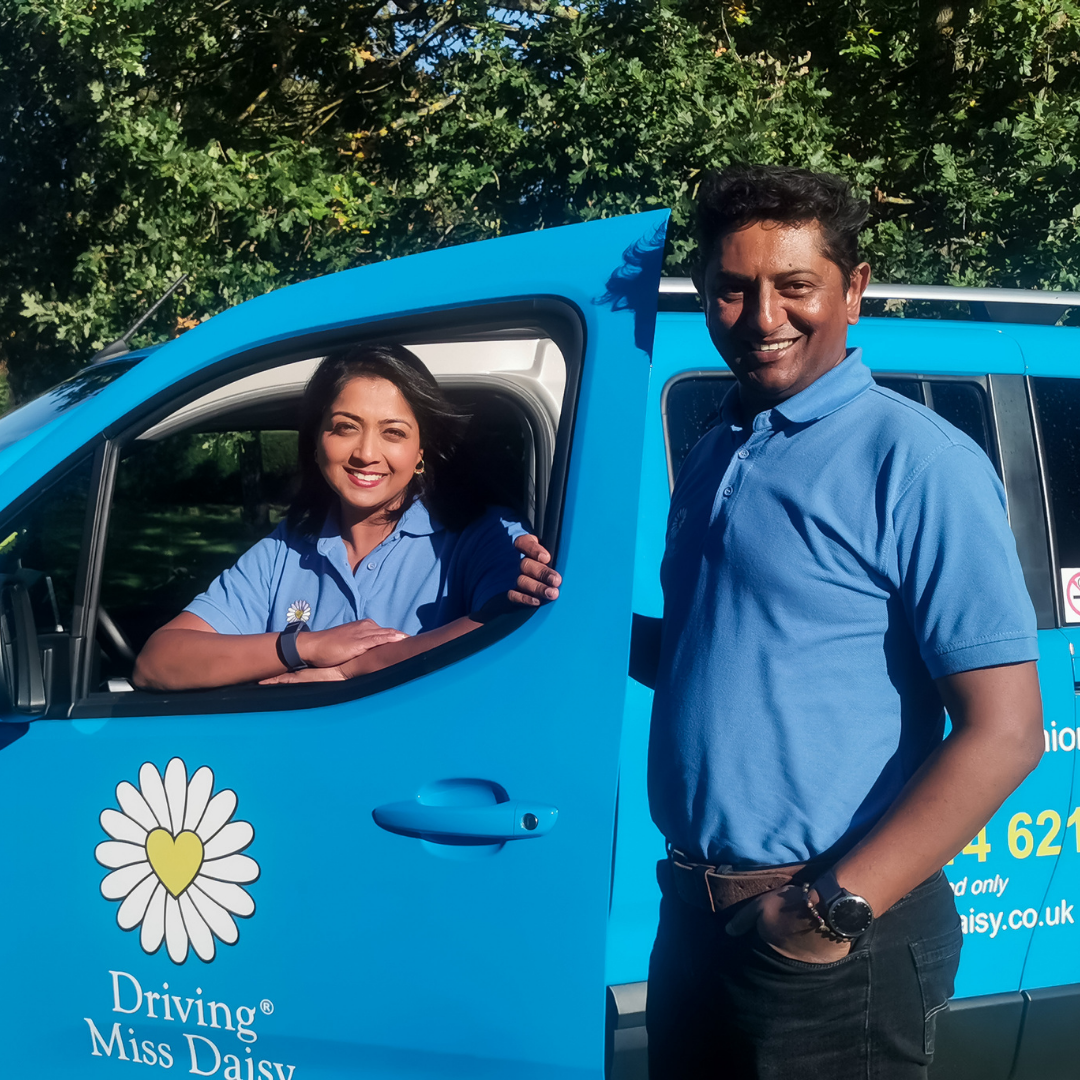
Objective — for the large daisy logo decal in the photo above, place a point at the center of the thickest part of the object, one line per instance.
(175, 861)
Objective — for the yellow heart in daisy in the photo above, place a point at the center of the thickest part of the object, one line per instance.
(175, 861)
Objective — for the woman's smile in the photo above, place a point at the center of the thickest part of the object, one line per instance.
(365, 479)
(369, 447)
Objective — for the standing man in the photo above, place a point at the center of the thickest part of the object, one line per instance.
(839, 567)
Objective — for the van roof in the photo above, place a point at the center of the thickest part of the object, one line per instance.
(984, 305)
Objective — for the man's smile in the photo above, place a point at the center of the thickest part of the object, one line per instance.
(772, 346)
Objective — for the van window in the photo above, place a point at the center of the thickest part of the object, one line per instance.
(691, 405)
(45, 408)
(1057, 407)
(961, 402)
(39, 563)
(39, 547)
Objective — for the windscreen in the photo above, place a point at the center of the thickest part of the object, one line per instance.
(35, 414)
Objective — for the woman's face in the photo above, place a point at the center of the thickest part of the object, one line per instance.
(369, 446)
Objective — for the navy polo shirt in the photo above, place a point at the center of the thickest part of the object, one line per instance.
(420, 577)
(824, 565)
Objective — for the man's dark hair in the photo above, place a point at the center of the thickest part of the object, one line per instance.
(441, 424)
(740, 194)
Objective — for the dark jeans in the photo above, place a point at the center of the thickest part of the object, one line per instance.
(730, 1008)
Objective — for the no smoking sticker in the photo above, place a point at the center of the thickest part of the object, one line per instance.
(1070, 583)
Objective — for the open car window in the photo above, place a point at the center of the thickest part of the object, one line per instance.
(200, 485)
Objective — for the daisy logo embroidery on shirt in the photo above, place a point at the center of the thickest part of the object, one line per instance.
(299, 611)
(175, 861)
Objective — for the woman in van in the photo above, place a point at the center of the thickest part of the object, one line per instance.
(364, 571)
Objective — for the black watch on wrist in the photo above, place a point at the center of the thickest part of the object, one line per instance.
(287, 652)
(845, 914)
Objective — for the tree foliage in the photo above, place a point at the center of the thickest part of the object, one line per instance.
(256, 144)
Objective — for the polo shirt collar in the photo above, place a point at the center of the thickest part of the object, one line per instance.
(832, 391)
(416, 521)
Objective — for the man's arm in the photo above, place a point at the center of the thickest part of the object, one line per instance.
(996, 740)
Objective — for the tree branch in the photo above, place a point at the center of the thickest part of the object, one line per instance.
(538, 7)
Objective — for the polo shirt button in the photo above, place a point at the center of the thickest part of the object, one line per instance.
(371, 566)
(744, 453)
(728, 491)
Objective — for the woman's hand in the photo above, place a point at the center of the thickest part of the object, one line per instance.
(783, 922)
(537, 581)
(331, 648)
(350, 641)
(308, 674)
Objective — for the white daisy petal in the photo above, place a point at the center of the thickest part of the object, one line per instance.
(134, 907)
(217, 918)
(176, 792)
(231, 897)
(202, 940)
(218, 811)
(153, 791)
(121, 827)
(232, 838)
(153, 925)
(231, 868)
(134, 805)
(175, 935)
(119, 883)
(198, 795)
(114, 853)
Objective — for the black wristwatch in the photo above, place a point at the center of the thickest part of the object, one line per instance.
(845, 914)
(286, 646)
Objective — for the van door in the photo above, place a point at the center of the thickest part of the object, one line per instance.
(409, 876)
(1055, 952)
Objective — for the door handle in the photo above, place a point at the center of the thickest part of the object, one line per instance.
(495, 822)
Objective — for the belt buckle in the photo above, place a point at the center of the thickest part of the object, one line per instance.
(699, 871)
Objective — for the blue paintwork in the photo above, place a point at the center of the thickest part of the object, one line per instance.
(396, 930)
(381, 956)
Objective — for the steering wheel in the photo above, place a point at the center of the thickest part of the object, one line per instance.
(113, 639)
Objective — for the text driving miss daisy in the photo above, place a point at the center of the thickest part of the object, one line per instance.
(130, 998)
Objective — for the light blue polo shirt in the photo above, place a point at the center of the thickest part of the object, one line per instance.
(420, 577)
(823, 566)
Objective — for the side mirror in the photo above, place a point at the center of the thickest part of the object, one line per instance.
(20, 658)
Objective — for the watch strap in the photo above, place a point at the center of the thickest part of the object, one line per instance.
(827, 887)
(287, 651)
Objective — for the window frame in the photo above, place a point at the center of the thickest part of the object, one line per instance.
(1047, 507)
(982, 381)
(548, 316)
(1017, 453)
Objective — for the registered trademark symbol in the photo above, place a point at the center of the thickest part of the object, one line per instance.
(267, 1006)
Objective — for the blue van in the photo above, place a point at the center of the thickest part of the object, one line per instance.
(445, 868)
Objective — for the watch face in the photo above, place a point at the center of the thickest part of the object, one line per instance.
(850, 916)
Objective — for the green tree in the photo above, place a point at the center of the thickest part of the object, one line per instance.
(254, 145)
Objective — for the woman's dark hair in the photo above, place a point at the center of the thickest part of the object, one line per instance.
(441, 424)
(740, 194)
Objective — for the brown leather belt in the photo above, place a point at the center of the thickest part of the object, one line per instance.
(716, 888)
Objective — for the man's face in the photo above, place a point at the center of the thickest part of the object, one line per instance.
(778, 308)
